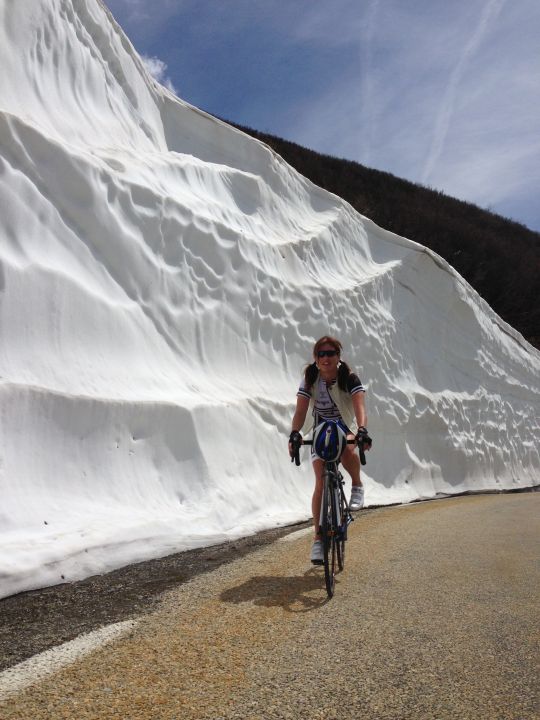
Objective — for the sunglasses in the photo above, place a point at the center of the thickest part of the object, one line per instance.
(327, 353)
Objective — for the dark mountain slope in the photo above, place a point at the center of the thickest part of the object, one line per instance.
(498, 257)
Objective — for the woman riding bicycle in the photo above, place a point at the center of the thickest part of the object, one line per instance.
(332, 392)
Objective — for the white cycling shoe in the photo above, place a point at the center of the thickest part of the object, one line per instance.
(317, 553)
(357, 497)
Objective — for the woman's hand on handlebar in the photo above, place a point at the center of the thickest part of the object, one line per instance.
(295, 441)
(363, 439)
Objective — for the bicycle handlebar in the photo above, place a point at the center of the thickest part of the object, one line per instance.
(361, 452)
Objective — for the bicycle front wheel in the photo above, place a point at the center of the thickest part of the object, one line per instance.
(342, 531)
(329, 530)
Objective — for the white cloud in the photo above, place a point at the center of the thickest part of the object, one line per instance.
(158, 69)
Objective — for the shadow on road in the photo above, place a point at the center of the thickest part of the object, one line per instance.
(297, 593)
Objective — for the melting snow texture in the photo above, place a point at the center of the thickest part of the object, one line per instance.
(162, 280)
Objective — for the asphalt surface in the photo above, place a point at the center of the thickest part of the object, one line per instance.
(435, 616)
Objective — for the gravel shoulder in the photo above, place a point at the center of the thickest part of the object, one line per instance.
(34, 621)
(435, 616)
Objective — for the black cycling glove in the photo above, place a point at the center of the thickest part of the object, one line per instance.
(295, 438)
(363, 439)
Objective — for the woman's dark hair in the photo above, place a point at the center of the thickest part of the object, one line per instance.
(311, 372)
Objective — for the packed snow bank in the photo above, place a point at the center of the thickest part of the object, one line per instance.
(162, 280)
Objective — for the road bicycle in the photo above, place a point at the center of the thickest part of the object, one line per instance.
(335, 518)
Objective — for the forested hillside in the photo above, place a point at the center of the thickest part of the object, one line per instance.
(498, 257)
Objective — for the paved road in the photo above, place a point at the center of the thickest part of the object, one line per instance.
(435, 616)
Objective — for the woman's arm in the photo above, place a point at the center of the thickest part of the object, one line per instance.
(302, 406)
(359, 407)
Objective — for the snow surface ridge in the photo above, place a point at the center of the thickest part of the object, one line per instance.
(162, 279)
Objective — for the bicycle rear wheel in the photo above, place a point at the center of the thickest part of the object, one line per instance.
(329, 533)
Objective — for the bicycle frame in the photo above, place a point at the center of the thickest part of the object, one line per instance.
(332, 468)
(333, 476)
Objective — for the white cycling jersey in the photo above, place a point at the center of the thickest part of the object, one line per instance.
(324, 407)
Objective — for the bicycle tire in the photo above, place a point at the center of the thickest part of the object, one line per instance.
(328, 533)
(342, 531)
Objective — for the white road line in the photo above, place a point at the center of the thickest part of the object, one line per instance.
(31, 671)
(295, 535)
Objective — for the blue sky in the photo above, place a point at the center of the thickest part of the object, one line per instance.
(442, 93)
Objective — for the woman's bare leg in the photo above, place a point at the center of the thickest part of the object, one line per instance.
(316, 500)
(351, 462)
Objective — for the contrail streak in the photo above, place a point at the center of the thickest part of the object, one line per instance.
(489, 13)
(367, 109)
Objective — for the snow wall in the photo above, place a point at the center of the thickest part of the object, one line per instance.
(162, 280)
